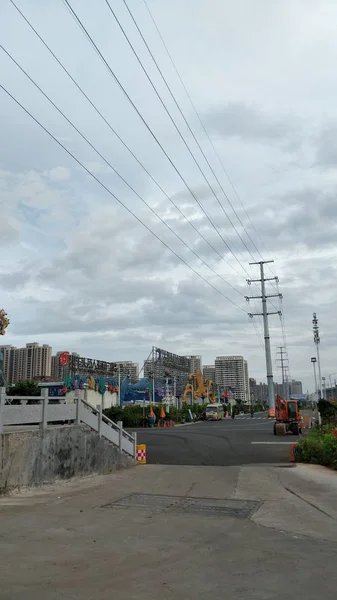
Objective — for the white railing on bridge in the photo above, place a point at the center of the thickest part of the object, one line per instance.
(44, 411)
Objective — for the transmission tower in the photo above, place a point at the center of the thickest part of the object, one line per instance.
(317, 340)
(264, 297)
(284, 367)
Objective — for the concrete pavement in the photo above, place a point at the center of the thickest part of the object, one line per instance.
(71, 541)
(232, 518)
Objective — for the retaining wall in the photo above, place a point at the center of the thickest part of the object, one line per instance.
(35, 457)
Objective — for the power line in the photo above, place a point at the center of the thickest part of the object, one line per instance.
(181, 112)
(90, 39)
(114, 170)
(116, 197)
(122, 141)
(94, 45)
(210, 141)
(206, 132)
(125, 145)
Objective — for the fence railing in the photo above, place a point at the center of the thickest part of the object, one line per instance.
(43, 411)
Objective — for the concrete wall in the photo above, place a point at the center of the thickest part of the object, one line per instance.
(94, 398)
(32, 458)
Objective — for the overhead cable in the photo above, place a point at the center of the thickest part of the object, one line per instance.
(123, 142)
(94, 45)
(72, 155)
(170, 116)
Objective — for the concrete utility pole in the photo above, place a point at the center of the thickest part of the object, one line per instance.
(317, 340)
(324, 388)
(264, 297)
(283, 360)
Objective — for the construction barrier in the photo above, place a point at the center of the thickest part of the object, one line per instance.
(292, 452)
(271, 412)
(141, 454)
(165, 423)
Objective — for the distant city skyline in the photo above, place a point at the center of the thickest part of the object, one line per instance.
(35, 360)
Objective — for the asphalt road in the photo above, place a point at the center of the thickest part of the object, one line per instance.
(241, 441)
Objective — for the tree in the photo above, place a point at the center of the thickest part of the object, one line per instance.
(25, 388)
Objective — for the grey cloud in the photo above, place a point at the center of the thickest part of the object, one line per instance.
(250, 123)
(326, 145)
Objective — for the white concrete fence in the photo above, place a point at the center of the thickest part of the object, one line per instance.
(44, 411)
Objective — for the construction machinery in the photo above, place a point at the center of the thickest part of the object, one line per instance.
(287, 417)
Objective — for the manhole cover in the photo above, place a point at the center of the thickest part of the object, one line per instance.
(186, 504)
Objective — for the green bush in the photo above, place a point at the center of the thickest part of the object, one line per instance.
(132, 416)
(318, 447)
(328, 411)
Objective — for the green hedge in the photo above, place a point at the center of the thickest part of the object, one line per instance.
(132, 416)
(318, 447)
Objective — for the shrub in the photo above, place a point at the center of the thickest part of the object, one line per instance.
(328, 411)
(132, 416)
(318, 447)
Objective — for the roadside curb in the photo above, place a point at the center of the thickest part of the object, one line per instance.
(184, 424)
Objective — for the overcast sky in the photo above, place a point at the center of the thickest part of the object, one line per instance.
(81, 273)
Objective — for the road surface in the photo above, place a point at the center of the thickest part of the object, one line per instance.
(244, 440)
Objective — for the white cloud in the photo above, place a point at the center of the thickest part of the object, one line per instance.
(80, 272)
(58, 174)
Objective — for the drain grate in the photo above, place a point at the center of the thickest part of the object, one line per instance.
(186, 504)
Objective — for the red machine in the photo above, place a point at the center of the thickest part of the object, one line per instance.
(288, 417)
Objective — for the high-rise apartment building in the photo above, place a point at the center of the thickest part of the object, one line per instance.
(296, 387)
(58, 372)
(252, 390)
(208, 372)
(232, 372)
(128, 367)
(8, 365)
(194, 363)
(31, 362)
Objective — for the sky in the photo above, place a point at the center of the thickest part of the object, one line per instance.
(241, 168)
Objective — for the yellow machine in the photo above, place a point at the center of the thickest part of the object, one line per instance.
(197, 387)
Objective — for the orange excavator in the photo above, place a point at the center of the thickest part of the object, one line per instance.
(287, 417)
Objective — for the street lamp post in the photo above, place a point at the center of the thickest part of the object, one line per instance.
(119, 385)
(314, 360)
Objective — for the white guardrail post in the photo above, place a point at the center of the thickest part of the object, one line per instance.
(99, 419)
(120, 426)
(78, 404)
(45, 398)
(135, 445)
(2, 404)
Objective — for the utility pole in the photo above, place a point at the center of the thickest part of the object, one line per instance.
(324, 388)
(283, 360)
(317, 340)
(264, 297)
